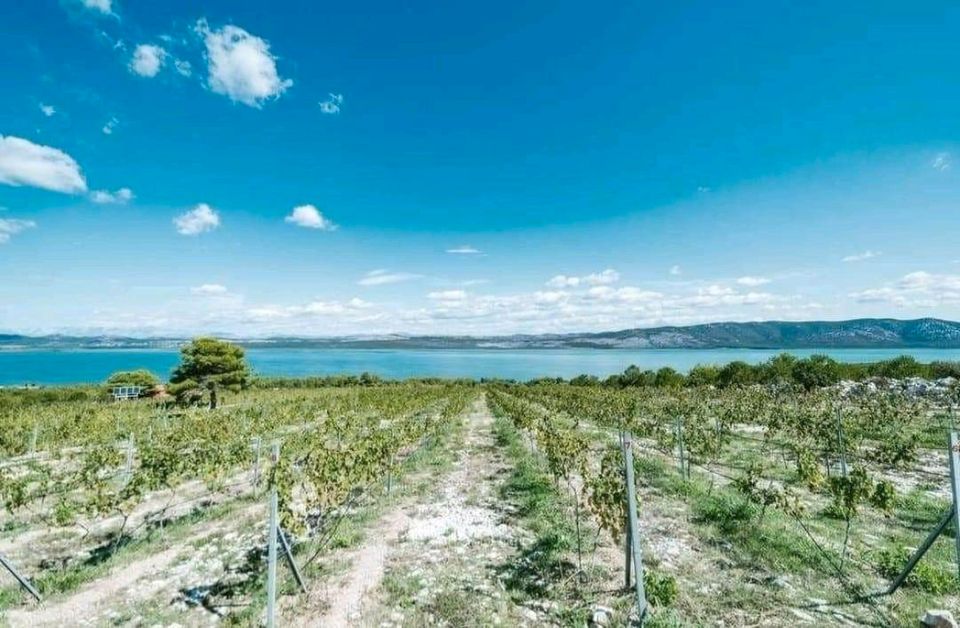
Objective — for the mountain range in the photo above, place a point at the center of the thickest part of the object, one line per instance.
(858, 333)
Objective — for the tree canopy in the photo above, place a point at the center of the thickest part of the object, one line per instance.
(140, 377)
(208, 365)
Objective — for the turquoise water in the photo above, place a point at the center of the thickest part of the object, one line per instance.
(67, 367)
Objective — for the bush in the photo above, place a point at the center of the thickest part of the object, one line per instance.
(140, 377)
(725, 511)
(925, 576)
(661, 589)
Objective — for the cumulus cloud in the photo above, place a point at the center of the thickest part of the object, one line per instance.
(24, 163)
(382, 276)
(464, 249)
(209, 290)
(147, 60)
(675, 270)
(941, 162)
(752, 282)
(48, 110)
(605, 277)
(240, 65)
(10, 227)
(860, 257)
(103, 6)
(332, 104)
(917, 289)
(103, 197)
(309, 217)
(198, 220)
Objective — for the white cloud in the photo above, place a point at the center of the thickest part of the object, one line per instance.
(209, 290)
(103, 6)
(464, 249)
(941, 162)
(605, 277)
(240, 65)
(102, 197)
(24, 163)
(563, 281)
(147, 60)
(332, 104)
(110, 126)
(350, 309)
(198, 220)
(48, 110)
(183, 68)
(10, 227)
(382, 277)
(309, 217)
(675, 270)
(860, 257)
(752, 282)
(917, 289)
(448, 295)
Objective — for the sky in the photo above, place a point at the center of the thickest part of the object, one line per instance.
(373, 167)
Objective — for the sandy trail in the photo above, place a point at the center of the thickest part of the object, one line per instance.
(126, 584)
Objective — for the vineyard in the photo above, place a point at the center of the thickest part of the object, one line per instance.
(466, 504)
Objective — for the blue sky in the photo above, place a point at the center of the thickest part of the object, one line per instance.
(371, 167)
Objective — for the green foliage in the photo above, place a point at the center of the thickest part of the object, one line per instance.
(726, 511)
(848, 492)
(661, 589)
(736, 373)
(816, 371)
(207, 366)
(139, 377)
(925, 576)
(784, 369)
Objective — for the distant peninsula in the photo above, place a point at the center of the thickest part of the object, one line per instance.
(864, 333)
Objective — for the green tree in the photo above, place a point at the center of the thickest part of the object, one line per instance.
(816, 371)
(778, 369)
(703, 375)
(207, 366)
(737, 373)
(668, 378)
(140, 377)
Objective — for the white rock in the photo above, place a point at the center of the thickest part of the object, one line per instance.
(938, 619)
(601, 616)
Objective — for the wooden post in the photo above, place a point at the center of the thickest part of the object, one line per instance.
(272, 548)
(634, 528)
(33, 438)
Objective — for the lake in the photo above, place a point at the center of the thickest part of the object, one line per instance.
(82, 366)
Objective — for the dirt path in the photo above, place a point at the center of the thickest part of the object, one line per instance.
(434, 557)
(156, 575)
(444, 567)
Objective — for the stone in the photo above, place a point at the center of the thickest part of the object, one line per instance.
(601, 616)
(938, 619)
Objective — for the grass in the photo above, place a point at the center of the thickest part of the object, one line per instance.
(546, 568)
